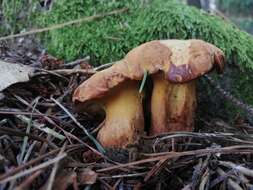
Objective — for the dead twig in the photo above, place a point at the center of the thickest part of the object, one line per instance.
(13, 132)
(35, 160)
(55, 168)
(230, 182)
(204, 183)
(60, 72)
(76, 62)
(124, 175)
(100, 148)
(170, 155)
(101, 67)
(38, 167)
(27, 182)
(41, 127)
(156, 168)
(243, 170)
(58, 26)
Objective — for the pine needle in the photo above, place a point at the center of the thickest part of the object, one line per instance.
(143, 81)
(99, 147)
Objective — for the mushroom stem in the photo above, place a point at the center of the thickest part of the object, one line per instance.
(124, 116)
(172, 105)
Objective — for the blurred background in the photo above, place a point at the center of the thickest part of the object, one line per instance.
(239, 12)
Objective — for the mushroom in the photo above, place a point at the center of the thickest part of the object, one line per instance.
(173, 101)
(116, 89)
(122, 103)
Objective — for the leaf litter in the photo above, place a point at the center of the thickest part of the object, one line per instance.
(57, 152)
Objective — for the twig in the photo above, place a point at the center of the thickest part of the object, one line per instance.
(223, 176)
(39, 72)
(234, 185)
(29, 124)
(116, 184)
(205, 180)
(187, 187)
(105, 65)
(99, 147)
(27, 182)
(76, 62)
(58, 26)
(155, 169)
(18, 112)
(38, 167)
(124, 175)
(239, 168)
(228, 136)
(41, 127)
(231, 183)
(13, 132)
(29, 151)
(35, 160)
(199, 174)
(170, 155)
(49, 120)
(55, 168)
(59, 72)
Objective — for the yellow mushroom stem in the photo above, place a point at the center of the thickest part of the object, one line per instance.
(172, 106)
(124, 120)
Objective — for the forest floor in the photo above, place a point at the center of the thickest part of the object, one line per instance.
(43, 144)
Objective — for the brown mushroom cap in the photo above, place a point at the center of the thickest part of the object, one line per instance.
(180, 60)
(151, 56)
(191, 59)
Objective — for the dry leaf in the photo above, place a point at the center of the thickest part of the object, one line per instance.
(11, 73)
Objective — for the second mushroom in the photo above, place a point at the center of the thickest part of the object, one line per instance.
(174, 66)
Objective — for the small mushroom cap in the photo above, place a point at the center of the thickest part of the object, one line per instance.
(180, 60)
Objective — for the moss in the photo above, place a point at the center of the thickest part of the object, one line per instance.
(16, 15)
(110, 38)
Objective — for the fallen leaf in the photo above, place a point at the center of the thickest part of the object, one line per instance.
(11, 73)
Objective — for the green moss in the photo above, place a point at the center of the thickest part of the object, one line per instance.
(110, 38)
(16, 15)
